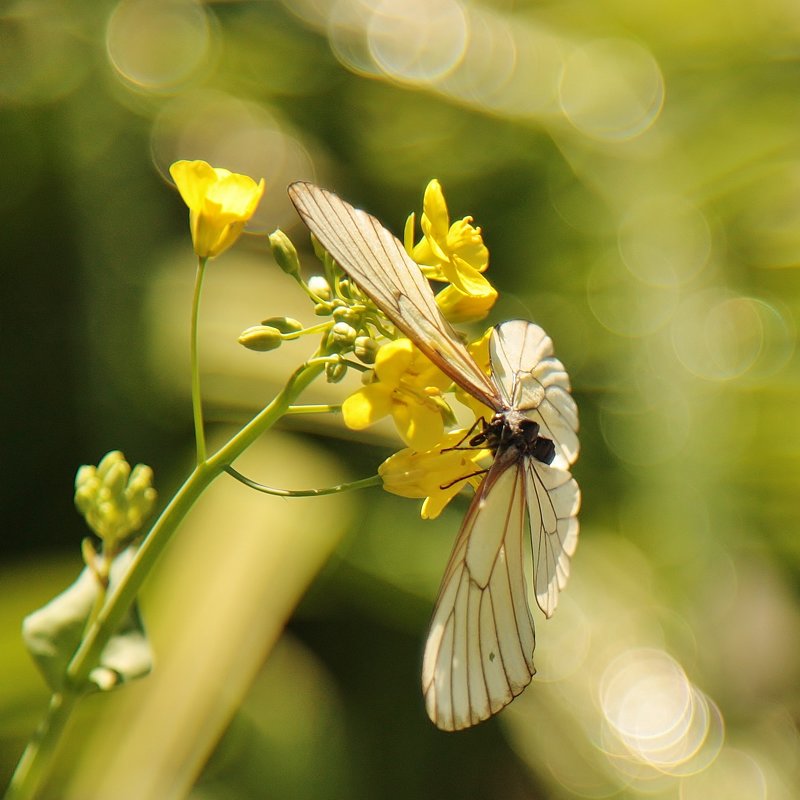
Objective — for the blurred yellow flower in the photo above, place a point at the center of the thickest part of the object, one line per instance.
(220, 203)
(408, 387)
(434, 475)
(453, 253)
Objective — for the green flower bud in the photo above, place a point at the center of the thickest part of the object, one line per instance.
(108, 461)
(284, 253)
(113, 499)
(116, 479)
(365, 349)
(284, 324)
(320, 287)
(261, 338)
(322, 309)
(334, 372)
(342, 334)
(347, 314)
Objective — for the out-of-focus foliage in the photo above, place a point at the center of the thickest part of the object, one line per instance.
(635, 168)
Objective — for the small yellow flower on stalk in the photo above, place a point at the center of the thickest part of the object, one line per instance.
(437, 475)
(408, 387)
(453, 253)
(220, 203)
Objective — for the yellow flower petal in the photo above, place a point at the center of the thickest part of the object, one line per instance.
(366, 406)
(393, 360)
(460, 307)
(419, 426)
(435, 216)
(437, 474)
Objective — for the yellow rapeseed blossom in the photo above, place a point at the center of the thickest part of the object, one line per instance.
(437, 474)
(220, 203)
(408, 387)
(453, 253)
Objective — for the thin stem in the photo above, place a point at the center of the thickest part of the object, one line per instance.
(37, 760)
(197, 401)
(327, 408)
(364, 483)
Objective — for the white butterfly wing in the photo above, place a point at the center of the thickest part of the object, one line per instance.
(379, 264)
(532, 380)
(479, 652)
(553, 500)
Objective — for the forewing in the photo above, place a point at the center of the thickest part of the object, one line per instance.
(479, 652)
(531, 379)
(379, 264)
(553, 500)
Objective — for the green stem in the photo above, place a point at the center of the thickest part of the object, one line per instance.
(364, 483)
(38, 756)
(326, 408)
(37, 760)
(197, 402)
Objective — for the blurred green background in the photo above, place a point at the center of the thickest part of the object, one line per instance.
(636, 172)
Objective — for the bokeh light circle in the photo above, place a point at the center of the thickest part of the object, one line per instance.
(624, 304)
(158, 45)
(417, 40)
(656, 718)
(611, 89)
(717, 335)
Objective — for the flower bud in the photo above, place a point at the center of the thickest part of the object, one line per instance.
(335, 371)
(284, 324)
(113, 499)
(261, 338)
(342, 334)
(365, 349)
(320, 287)
(284, 253)
(347, 314)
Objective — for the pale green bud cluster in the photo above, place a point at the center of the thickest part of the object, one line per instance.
(114, 499)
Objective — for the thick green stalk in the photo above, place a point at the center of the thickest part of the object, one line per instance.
(37, 760)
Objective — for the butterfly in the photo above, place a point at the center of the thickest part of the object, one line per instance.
(479, 651)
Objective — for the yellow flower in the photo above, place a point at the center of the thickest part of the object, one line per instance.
(435, 475)
(457, 306)
(408, 387)
(452, 253)
(220, 203)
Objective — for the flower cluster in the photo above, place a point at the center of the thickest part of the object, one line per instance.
(398, 380)
(114, 499)
(436, 464)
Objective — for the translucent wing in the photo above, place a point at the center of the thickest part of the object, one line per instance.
(379, 264)
(479, 653)
(532, 380)
(553, 500)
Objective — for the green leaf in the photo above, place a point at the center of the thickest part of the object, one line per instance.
(52, 634)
